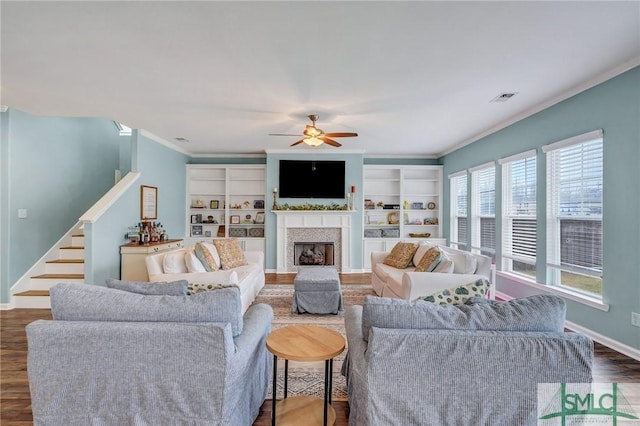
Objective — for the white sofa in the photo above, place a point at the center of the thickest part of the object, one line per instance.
(407, 284)
(250, 277)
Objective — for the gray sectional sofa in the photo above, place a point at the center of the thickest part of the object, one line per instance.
(417, 363)
(111, 357)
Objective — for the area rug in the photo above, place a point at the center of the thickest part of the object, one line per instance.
(307, 378)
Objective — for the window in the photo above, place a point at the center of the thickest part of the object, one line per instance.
(574, 213)
(458, 183)
(519, 214)
(483, 210)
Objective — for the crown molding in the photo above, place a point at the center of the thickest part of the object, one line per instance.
(315, 151)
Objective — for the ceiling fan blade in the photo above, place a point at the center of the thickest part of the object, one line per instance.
(298, 142)
(330, 141)
(282, 134)
(341, 135)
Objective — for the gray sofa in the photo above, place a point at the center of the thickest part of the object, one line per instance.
(111, 357)
(416, 363)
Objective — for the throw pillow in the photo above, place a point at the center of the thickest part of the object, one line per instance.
(198, 288)
(230, 252)
(458, 295)
(192, 262)
(534, 313)
(422, 249)
(173, 263)
(214, 253)
(445, 265)
(430, 260)
(205, 257)
(401, 255)
(463, 263)
(174, 288)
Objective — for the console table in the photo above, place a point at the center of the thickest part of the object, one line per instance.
(133, 255)
(305, 343)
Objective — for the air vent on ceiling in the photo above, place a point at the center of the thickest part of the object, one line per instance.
(182, 139)
(504, 97)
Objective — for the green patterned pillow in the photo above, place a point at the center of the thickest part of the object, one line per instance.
(458, 295)
(401, 255)
(198, 288)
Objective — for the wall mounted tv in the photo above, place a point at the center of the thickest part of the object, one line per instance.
(311, 179)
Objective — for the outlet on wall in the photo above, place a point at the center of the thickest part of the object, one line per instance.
(635, 319)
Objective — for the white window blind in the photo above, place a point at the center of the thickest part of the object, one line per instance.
(483, 210)
(458, 231)
(519, 214)
(574, 212)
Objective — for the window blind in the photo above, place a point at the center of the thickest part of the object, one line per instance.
(483, 209)
(458, 230)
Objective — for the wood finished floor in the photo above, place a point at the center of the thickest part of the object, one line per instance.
(15, 401)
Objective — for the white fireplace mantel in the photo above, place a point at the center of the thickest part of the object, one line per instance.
(309, 219)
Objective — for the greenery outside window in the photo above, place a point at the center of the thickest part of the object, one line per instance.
(519, 222)
(574, 213)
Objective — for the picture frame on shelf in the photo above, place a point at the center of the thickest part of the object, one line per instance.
(258, 204)
(196, 230)
(417, 206)
(369, 204)
(196, 218)
(235, 219)
(247, 219)
(207, 233)
(260, 217)
(214, 204)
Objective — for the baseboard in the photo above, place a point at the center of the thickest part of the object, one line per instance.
(603, 340)
(6, 306)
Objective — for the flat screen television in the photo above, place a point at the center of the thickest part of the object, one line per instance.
(311, 179)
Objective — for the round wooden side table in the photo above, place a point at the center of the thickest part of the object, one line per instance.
(305, 343)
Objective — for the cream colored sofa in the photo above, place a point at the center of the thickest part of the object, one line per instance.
(250, 277)
(407, 284)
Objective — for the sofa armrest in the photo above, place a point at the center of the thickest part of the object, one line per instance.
(256, 326)
(355, 341)
(215, 277)
(378, 257)
(416, 284)
(254, 256)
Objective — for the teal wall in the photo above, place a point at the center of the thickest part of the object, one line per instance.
(613, 106)
(159, 166)
(56, 168)
(353, 176)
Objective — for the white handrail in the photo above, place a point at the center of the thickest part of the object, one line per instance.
(103, 204)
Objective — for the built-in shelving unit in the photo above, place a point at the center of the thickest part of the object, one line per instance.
(400, 203)
(226, 201)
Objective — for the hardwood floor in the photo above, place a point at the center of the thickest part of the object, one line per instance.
(15, 402)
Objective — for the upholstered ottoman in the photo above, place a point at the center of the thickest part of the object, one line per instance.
(317, 291)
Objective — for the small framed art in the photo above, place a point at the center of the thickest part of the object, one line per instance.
(235, 219)
(260, 217)
(258, 204)
(213, 204)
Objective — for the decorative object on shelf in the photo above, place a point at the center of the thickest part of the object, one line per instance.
(247, 219)
(406, 205)
(380, 205)
(196, 218)
(391, 206)
(373, 233)
(348, 201)
(207, 233)
(431, 221)
(213, 204)
(256, 232)
(237, 232)
(392, 218)
(260, 217)
(369, 205)
(275, 199)
(246, 205)
(258, 204)
(422, 235)
(431, 205)
(148, 202)
(417, 206)
(221, 231)
(196, 230)
(235, 219)
(198, 204)
(391, 233)
(211, 219)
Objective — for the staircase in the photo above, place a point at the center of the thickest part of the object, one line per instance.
(68, 267)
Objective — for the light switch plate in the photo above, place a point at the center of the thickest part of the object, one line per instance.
(22, 213)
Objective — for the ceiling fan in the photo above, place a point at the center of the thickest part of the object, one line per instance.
(316, 137)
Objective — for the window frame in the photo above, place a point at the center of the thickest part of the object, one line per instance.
(477, 212)
(458, 181)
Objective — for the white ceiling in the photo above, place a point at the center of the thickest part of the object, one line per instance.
(412, 78)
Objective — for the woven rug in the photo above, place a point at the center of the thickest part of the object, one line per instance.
(307, 378)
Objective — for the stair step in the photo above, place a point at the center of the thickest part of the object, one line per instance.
(31, 293)
(72, 252)
(66, 261)
(63, 276)
(64, 266)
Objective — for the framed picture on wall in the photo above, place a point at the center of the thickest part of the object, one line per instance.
(148, 202)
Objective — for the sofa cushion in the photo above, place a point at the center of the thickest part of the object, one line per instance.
(173, 263)
(401, 255)
(430, 260)
(445, 265)
(458, 295)
(533, 313)
(230, 252)
(423, 246)
(205, 256)
(192, 262)
(173, 288)
(86, 302)
(463, 262)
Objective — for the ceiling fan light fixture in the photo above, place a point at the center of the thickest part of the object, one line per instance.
(313, 141)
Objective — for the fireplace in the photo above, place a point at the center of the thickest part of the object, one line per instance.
(313, 253)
